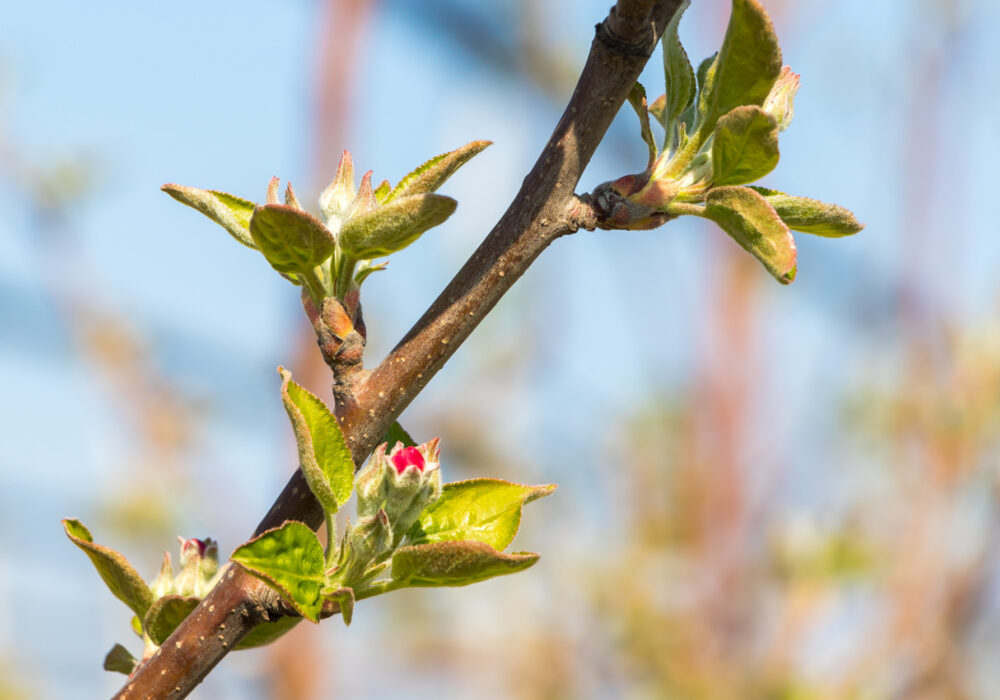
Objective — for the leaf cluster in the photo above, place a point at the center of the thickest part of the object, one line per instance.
(332, 256)
(721, 126)
(458, 538)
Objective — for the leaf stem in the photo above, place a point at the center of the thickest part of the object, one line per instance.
(679, 208)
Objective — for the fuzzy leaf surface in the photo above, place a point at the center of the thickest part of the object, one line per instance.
(637, 98)
(483, 510)
(344, 597)
(229, 211)
(291, 240)
(324, 457)
(120, 660)
(165, 614)
(432, 174)
(290, 560)
(755, 225)
(748, 63)
(745, 146)
(119, 576)
(455, 563)
(680, 82)
(394, 225)
(811, 215)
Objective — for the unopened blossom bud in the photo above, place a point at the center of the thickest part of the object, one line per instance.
(402, 483)
(199, 565)
(780, 102)
(366, 544)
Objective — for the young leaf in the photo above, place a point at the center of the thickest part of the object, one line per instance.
(745, 146)
(119, 659)
(748, 63)
(290, 560)
(637, 98)
(395, 434)
(264, 634)
(165, 614)
(394, 225)
(454, 563)
(290, 239)
(752, 222)
(679, 76)
(344, 597)
(432, 174)
(118, 575)
(229, 211)
(324, 457)
(382, 191)
(484, 510)
(810, 215)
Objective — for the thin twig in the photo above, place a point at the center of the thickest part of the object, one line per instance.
(544, 209)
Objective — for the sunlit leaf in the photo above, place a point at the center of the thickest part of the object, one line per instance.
(454, 563)
(745, 146)
(752, 222)
(324, 457)
(290, 239)
(118, 575)
(484, 510)
(748, 63)
(229, 211)
(290, 560)
(432, 174)
(394, 225)
(811, 215)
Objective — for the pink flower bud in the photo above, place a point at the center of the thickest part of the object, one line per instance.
(193, 547)
(406, 457)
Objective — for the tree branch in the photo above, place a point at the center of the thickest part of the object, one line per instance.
(544, 209)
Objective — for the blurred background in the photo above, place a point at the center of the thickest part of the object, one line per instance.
(769, 492)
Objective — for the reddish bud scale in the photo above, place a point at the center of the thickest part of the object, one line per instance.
(408, 456)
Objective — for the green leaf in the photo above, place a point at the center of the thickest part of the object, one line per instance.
(637, 98)
(811, 215)
(324, 457)
(118, 575)
(752, 222)
(454, 563)
(395, 434)
(484, 510)
(394, 225)
(229, 211)
(290, 239)
(268, 632)
(119, 659)
(432, 174)
(679, 76)
(290, 560)
(745, 146)
(747, 66)
(382, 191)
(344, 597)
(165, 614)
